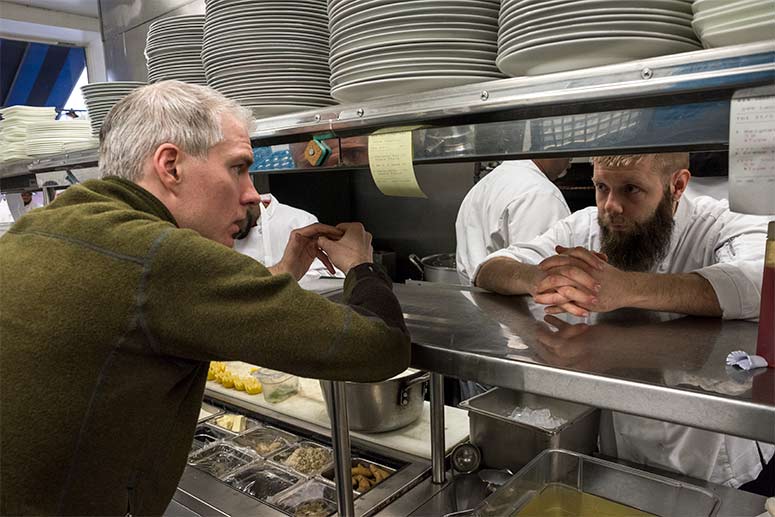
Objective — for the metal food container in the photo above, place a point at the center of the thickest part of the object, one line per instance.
(266, 441)
(311, 499)
(221, 459)
(508, 443)
(261, 480)
(304, 468)
(578, 474)
(207, 411)
(250, 423)
(354, 463)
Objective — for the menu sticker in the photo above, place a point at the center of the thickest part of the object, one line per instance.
(752, 151)
(390, 161)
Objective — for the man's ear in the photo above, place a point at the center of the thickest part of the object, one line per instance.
(166, 161)
(679, 180)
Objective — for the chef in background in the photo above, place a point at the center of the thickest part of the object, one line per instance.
(266, 230)
(646, 245)
(20, 204)
(514, 203)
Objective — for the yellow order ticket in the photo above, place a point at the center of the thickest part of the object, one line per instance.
(390, 161)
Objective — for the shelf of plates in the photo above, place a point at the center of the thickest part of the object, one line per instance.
(667, 103)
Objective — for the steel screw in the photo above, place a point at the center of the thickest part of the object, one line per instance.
(317, 117)
(647, 73)
(311, 152)
(485, 95)
(360, 112)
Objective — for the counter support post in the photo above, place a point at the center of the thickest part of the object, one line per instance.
(340, 439)
(437, 428)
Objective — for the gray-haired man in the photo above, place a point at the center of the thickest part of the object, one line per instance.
(134, 287)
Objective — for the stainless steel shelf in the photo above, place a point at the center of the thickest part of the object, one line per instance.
(54, 162)
(656, 365)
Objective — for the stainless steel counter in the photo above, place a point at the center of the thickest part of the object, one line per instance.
(657, 365)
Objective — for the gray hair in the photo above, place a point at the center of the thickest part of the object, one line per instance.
(186, 115)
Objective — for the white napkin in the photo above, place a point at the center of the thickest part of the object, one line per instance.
(745, 361)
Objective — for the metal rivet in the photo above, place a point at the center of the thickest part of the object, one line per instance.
(311, 152)
(646, 73)
(360, 112)
(485, 95)
(317, 118)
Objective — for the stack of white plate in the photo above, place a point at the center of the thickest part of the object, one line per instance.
(173, 49)
(271, 56)
(13, 129)
(545, 36)
(60, 136)
(731, 22)
(100, 98)
(394, 47)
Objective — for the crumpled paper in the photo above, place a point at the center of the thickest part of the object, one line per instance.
(746, 361)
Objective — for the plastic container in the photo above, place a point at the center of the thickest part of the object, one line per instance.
(261, 480)
(568, 483)
(221, 459)
(311, 499)
(509, 443)
(306, 458)
(205, 434)
(266, 441)
(221, 419)
(277, 385)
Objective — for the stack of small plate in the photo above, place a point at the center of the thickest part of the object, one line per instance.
(731, 22)
(271, 56)
(14, 126)
(394, 47)
(59, 137)
(100, 98)
(544, 36)
(173, 49)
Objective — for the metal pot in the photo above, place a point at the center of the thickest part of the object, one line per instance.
(440, 267)
(376, 407)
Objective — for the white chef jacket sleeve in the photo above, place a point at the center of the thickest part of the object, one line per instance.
(532, 215)
(566, 232)
(738, 247)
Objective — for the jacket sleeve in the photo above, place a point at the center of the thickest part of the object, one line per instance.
(201, 300)
(532, 215)
(738, 253)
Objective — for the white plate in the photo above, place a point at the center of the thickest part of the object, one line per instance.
(417, 63)
(246, 7)
(424, 71)
(561, 7)
(759, 9)
(703, 6)
(565, 55)
(595, 29)
(438, 19)
(593, 16)
(337, 7)
(299, 21)
(272, 110)
(419, 56)
(402, 35)
(418, 49)
(734, 25)
(512, 47)
(359, 92)
(761, 31)
(369, 10)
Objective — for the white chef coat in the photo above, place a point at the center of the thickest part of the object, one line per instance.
(266, 241)
(725, 248)
(514, 203)
(17, 206)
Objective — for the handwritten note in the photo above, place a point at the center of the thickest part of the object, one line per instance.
(752, 152)
(390, 161)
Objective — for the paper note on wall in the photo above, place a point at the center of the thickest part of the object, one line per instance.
(390, 161)
(752, 151)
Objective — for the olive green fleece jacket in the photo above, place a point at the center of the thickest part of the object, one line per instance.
(109, 314)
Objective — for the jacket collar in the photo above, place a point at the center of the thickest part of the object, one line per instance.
(138, 198)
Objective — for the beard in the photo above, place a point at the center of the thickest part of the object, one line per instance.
(645, 245)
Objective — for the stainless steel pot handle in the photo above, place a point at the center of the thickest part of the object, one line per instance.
(415, 260)
(403, 393)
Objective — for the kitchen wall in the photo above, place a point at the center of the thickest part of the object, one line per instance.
(124, 27)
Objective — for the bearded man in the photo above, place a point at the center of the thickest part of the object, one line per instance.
(646, 246)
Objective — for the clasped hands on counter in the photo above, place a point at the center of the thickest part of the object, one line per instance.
(345, 246)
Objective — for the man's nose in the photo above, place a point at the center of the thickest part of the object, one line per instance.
(249, 193)
(612, 204)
